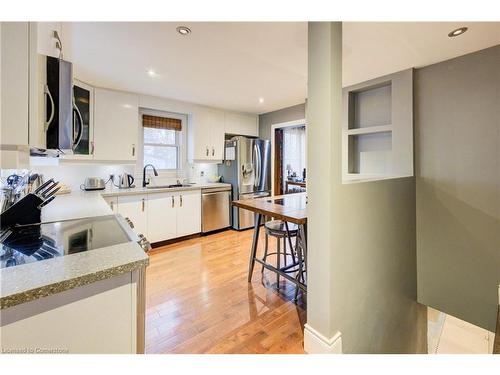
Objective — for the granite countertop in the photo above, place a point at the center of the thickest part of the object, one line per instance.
(31, 281)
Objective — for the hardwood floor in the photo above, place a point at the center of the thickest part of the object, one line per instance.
(199, 300)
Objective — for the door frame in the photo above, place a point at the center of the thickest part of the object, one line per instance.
(280, 125)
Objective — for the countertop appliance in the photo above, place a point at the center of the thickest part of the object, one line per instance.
(93, 183)
(247, 167)
(126, 181)
(36, 242)
(215, 209)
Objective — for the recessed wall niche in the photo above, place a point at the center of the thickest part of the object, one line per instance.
(377, 139)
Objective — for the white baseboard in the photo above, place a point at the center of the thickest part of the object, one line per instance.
(316, 343)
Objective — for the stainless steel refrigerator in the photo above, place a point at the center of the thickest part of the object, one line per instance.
(247, 167)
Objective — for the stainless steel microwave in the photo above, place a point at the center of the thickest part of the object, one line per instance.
(62, 122)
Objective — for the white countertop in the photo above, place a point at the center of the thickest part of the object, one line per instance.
(81, 204)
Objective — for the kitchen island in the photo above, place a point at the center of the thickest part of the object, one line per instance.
(87, 296)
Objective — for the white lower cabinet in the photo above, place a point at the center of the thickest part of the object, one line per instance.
(188, 213)
(162, 217)
(134, 207)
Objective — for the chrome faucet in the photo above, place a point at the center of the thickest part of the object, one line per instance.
(144, 183)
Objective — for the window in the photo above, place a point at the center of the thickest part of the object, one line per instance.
(161, 142)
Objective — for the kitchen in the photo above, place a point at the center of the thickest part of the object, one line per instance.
(164, 184)
(161, 173)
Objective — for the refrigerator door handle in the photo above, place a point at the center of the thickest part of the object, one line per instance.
(255, 165)
(259, 169)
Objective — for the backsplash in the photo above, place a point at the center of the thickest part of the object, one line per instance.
(74, 174)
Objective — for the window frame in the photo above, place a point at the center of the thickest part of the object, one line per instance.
(180, 142)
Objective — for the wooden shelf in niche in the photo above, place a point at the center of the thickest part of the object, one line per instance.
(377, 130)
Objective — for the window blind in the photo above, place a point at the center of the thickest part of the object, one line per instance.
(157, 122)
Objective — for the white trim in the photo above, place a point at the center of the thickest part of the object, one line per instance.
(288, 124)
(316, 343)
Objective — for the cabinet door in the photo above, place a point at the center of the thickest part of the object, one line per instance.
(199, 134)
(134, 207)
(116, 125)
(217, 135)
(162, 211)
(46, 43)
(240, 124)
(14, 76)
(188, 212)
(113, 203)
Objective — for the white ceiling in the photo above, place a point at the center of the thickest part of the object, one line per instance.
(373, 49)
(232, 65)
(225, 65)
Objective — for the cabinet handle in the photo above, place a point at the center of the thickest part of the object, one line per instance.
(111, 204)
(207, 151)
(173, 201)
(92, 148)
(143, 204)
(130, 223)
(133, 150)
(181, 200)
(213, 151)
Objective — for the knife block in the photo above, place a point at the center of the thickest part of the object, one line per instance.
(25, 211)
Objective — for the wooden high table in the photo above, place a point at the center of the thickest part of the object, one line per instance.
(290, 208)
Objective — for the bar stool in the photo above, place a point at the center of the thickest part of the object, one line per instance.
(277, 229)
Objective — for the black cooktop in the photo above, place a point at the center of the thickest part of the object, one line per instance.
(36, 242)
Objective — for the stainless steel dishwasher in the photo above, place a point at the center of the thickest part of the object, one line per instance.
(215, 208)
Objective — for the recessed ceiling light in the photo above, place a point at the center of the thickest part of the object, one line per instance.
(457, 32)
(183, 30)
(261, 100)
(151, 73)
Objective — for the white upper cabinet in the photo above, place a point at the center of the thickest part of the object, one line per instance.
(206, 135)
(240, 124)
(46, 42)
(14, 83)
(207, 129)
(217, 135)
(116, 125)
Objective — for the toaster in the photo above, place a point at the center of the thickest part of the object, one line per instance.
(94, 183)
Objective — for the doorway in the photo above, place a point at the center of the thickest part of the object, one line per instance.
(288, 162)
